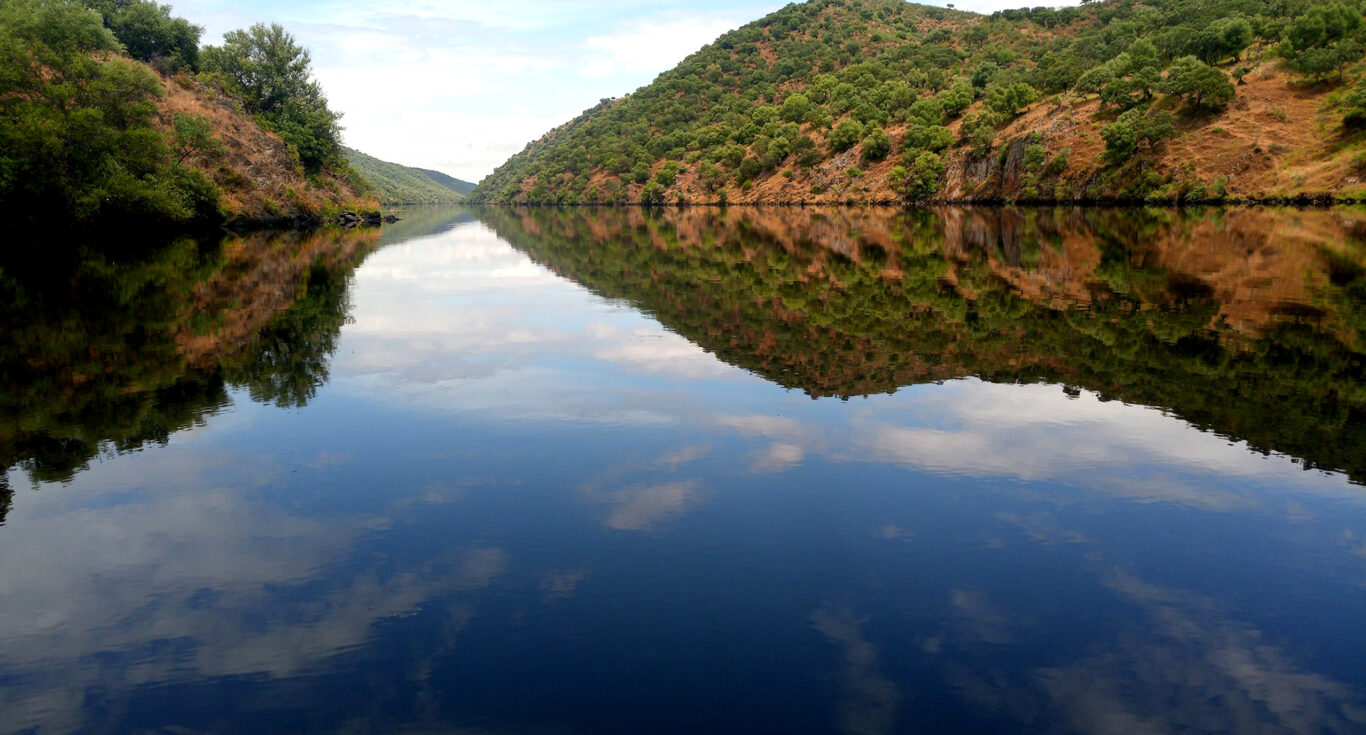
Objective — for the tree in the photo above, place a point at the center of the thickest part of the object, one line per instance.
(1198, 83)
(1095, 80)
(928, 137)
(1010, 99)
(149, 32)
(274, 76)
(844, 136)
(918, 177)
(77, 142)
(192, 136)
(979, 130)
(796, 108)
(1123, 136)
(877, 145)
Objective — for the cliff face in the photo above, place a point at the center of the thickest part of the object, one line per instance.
(259, 180)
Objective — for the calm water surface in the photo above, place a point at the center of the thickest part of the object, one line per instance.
(613, 471)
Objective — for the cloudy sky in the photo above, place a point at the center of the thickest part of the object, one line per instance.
(460, 85)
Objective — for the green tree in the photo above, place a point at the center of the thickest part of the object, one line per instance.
(149, 32)
(877, 145)
(844, 136)
(77, 142)
(1095, 80)
(1198, 83)
(928, 137)
(274, 76)
(796, 108)
(920, 177)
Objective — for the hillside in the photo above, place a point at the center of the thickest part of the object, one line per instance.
(397, 184)
(883, 100)
(113, 118)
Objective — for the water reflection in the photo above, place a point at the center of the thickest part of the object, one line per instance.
(447, 489)
(1245, 322)
(110, 352)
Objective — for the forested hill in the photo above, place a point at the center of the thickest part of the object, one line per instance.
(113, 117)
(879, 100)
(398, 184)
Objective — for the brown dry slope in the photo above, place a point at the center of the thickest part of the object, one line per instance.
(259, 180)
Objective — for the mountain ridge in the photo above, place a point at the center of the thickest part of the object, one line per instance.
(882, 100)
(394, 183)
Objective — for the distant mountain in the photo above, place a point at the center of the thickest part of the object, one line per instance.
(397, 184)
(884, 100)
(450, 182)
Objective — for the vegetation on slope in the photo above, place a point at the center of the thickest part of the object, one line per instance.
(837, 100)
(394, 183)
(104, 121)
(1155, 307)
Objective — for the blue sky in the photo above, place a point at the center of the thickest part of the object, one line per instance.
(460, 85)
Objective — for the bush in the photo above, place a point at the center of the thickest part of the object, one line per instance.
(877, 145)
(844, 136)
(652, 194)
(920, 178)
(1355, 106)
(928, 137)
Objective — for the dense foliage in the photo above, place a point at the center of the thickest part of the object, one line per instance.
(77, 139)
(82, 140)
(790, 94)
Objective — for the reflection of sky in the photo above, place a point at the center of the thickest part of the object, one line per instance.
(512, 485)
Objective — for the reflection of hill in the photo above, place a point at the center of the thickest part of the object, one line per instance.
(1248, 322)
(108, 355)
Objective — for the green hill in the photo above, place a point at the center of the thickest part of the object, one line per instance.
(397, 184)
(880, 100)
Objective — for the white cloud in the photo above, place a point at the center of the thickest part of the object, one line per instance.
(651, 43)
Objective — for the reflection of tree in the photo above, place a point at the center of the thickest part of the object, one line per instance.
(6, 495)
(289, 358)
(1154, 307)
(104, 354)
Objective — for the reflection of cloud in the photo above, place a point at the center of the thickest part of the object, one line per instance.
(778, 458)
(892, 532)
(561, 584)
(870, 700)
(1193, 671)
(979, 618)
(766, 426)
(327, 459)
(163, 578)
(657, 352)
(639, 508)
(1042, 530)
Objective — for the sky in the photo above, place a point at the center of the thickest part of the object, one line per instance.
(461, 85)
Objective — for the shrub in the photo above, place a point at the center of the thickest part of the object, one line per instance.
(877, 145)
(928, 137)
(844, 136)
